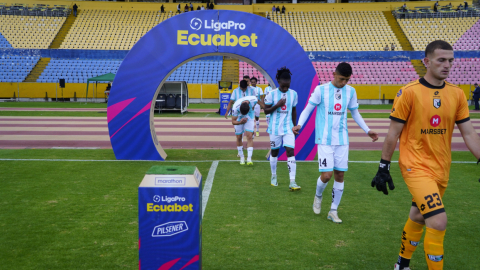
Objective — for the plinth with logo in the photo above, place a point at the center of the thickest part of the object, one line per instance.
(170, 218)
(225, 88)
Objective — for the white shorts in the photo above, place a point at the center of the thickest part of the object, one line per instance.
(257, 110)
(240, 129)
(332, 157)
(276, 141)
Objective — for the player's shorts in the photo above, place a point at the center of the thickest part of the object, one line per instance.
(240, 129)
(332, 157)
(427, 195)
(276, 141)
(257, 110)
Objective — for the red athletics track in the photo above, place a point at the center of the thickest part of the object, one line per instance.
(175, 132)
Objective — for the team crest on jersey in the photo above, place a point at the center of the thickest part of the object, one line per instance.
(338, 94)
(437, 103)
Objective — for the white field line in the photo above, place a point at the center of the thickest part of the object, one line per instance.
(207, 188)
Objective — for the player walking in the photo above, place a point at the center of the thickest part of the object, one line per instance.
(281, 104)
(423, 117)
(260, 96)
(242, 119)
(331, 134)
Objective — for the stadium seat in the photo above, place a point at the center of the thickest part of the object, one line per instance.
(422, 31)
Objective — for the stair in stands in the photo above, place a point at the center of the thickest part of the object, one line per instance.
(63, 31)
(37, 70)
(230, 70)
(402, 38)
(419, 67)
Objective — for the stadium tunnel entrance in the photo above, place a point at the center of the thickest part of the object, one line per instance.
(189, 36)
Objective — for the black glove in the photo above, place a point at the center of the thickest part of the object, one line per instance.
(383, 177)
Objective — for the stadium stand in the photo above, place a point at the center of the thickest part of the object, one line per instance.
(4, 42)
(77, 71)
(338, 31)
(469, 40)
(247, 69)
(400, 72)
(208, 72)
(34, 32)
(16, 68)
(465, 71)
(111, 29)
(420, 32)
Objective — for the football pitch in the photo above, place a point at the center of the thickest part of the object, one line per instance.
(77, 209)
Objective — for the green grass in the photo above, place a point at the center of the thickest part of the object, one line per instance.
(99, 114)
(83, 215)
(36, 104)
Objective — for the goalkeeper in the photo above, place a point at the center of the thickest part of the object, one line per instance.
(423, 117)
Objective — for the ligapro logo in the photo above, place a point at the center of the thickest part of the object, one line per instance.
(196, 24)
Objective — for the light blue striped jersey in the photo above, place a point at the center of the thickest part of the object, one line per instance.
(281, 119)
(251, 113)
(259, 92)
(238, 93)
(267, 90)
(331, 119)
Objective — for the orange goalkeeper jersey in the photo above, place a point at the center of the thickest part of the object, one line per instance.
(429, 114)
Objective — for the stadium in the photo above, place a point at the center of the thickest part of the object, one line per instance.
(95, 93)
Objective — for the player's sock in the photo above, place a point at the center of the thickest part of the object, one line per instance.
(320, 187)
(250, 152)
(337, 193)
(412, 232)
(273, 165)
(292, 168)
(433, 246)
(258, 125)
(240, 150)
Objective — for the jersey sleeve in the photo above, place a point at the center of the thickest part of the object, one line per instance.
(353, 104)
(402, 106)
(463, 114)
(232, 96)
(316, 97)
(295, 100)
(269, 99)
(253, 102)
(236, 108)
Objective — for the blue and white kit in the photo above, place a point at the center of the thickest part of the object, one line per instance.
(237, 93)
(331, 132)
(281, 123)
(249, 125)
(259, 94)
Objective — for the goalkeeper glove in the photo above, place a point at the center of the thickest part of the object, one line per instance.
(383, 177)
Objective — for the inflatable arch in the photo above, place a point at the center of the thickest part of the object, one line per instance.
(188, 36)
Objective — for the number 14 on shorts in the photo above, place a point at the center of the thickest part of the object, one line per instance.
(322, 162)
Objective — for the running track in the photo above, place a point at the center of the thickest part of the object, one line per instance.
(175, 132)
